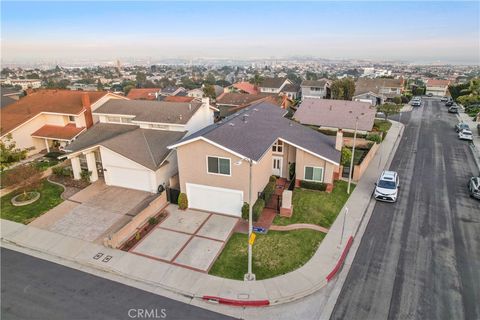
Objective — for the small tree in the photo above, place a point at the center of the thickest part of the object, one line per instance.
(9, 153)
(389, 109)
(26, 177)
(182, 201)
(343, 89)
(209, 91)
(346, 156)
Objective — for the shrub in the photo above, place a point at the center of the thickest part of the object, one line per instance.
(245, 209)
(269, 190)
(182, 201)
(62, 171)
(54, 154)
(346, 156)
(374, 137)
(313, 185)
(152, 221)
(257, 209)
(272, 179)
(405, 99)
(85, 175)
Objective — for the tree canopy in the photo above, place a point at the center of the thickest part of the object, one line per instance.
(343, 89)
(389, 109)
(9, 153)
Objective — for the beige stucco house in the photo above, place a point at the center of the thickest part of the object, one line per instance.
(214, 163)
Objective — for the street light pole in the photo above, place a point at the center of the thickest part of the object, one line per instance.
(350, 174)
(250, 276)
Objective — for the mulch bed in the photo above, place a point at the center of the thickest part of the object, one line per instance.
(143, 231)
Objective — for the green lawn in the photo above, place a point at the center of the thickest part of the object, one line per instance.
(274, 253)
(382, 125)
(44, 164)
(49, 198)
(316, 207)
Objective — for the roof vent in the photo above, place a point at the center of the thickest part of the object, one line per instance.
(255, 109)
(244, 118)
(231, 124)
(180, 116)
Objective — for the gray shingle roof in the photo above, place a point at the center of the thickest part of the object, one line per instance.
(272, 82)
(147, 147)
(252, 132)
(364, 85)
(314, 83)
(151, 111)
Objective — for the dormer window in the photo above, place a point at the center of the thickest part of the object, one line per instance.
(278, 147)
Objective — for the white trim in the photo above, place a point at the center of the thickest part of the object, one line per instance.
(219, 174)
(323, 173)
(308, 151)
(280, 164)
(114, 115)
(159, 123)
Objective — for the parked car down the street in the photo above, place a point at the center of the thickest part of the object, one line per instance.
(449, 103)
(465, 134)
(474, 187)
(461, 126)
(453, 109)
(386, 188)
(444, 99)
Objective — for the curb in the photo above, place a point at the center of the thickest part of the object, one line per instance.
(341, 260)
(237, 303)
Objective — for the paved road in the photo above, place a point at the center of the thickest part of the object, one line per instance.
(420, 258)
(37, 289)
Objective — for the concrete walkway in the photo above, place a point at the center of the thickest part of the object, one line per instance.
(189, 283)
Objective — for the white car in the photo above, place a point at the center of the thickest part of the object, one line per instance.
(465, 134)
(386, 188)
(444, 99)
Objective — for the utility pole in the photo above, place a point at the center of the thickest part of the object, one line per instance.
(350, 174)
(250, 276)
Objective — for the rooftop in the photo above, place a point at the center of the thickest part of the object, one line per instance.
(272, 82)
(67, 132)
(143, 93)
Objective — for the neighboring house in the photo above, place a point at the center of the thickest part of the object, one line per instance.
(196, 93)
(273, 85)
(129, 144)
(214, 163)
(24, 83)
(437, 87)
(292, 91)
(177, 99)
(336, 114)
(83, 87)
(230, 102)
(144, 94)
(173, 91)
(377, 91)
(10, 96)
(242, 87)
(51, 118)
(316, 88)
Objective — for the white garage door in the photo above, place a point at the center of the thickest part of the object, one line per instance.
(128, 178)
(227, 201)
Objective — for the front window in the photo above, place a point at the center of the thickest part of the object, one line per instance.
(387, 184)
(71, 118)
(278, 147)
(218, 165)
(314, 174)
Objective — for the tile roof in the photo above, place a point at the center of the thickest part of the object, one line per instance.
(152, 111)
(252, 131)
(147, 147)
(336, 113)
(246, 86)
(67, 132)
(437, 83)
(56, 101)
(272, 82)
(143, 93)
(364, 85)
(314, 83)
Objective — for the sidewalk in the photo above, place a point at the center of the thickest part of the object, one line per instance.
(192, 284)
(462, 116)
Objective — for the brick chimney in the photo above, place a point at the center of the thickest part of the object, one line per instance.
(339, 140)
(88, 109)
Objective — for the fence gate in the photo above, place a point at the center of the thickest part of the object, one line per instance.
(172, 195)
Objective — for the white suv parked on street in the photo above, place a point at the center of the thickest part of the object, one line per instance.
(386, 188)
(465, 134)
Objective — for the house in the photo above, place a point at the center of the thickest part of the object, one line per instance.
(195, 93)
(315, 88)
(24, 83)
(10, 96)
(214, 163)
(336, 114)
(242, 87)
(273, 85)
(377, 91)
(51, 118)
(438, 88)
(230, 102)
(291, 91)
(128, 147)
(173, 91)
(144, 93)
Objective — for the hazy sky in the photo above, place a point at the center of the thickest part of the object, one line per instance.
(412, 31)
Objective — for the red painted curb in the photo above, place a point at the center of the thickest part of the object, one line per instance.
(238, 303)
(341, 260)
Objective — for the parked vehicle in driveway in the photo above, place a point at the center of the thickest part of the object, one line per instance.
(444, 99)
(461, 126)
(386, 188)
(465, 134)
(474, 187)
(453, 109)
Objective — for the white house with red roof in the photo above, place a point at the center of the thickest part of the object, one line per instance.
(436, 87)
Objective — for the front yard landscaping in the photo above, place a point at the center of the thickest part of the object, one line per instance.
(274, 253)
(316, 207)
(49, 198)
(382, 126)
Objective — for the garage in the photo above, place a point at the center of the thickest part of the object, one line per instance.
(128, 178)
(220, 200)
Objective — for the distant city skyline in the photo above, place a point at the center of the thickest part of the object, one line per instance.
(421, 32)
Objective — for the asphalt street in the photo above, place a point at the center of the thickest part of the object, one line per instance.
(420, 257)
(37, 289)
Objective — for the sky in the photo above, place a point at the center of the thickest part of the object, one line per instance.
(409, 31)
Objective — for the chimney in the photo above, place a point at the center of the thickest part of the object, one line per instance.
(88, 109)
(339, 140)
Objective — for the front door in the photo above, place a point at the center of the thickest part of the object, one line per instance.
(277, 166)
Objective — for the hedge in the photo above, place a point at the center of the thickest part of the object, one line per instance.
(257, 209)
(374, 137)
(269, 190)
(313, 185)
(182, 201)
(245, 209)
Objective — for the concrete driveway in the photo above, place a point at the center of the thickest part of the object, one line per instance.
(190, 238)
(94, 212)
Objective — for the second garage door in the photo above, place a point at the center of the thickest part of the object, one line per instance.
(227, 201)
(128, 178)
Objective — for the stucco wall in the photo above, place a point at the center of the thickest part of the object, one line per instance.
(164, 173)
(306, 159)
(201, 119)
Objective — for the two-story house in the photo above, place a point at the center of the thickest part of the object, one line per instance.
(128, 146)
(46, 119)
(377, 91)
(436, 87)
(273, 85)
(315, 89)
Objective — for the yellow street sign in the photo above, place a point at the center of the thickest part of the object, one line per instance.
(252, 239)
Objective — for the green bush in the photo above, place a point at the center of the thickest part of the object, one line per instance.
(346, 156)
(313, 185)
(269, 190)
(245, 209)
(272, 179)
(152, 221)
(374, 137)
(62, 171)
(257, 209)
(182, 201)
(85, 175)
(53, 154)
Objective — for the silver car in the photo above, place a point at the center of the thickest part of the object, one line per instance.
(474, 187)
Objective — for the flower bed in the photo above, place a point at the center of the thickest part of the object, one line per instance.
(144, 230)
